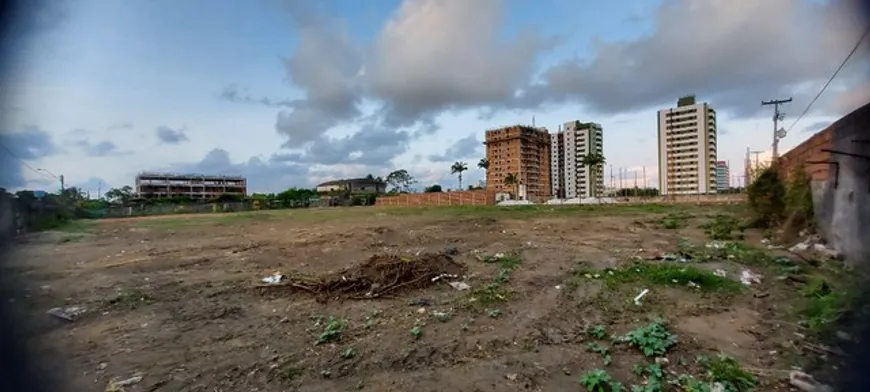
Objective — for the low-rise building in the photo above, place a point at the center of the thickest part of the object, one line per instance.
(353, 186)
(193, 186)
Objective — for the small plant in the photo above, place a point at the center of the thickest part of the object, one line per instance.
(349, 353)
(601, 350)
(287, 372)
(653, 339)
(493, 313)
(596, 381)
(416, 332)
(691, 384)
(598, 331)
(332, 331)
(495, 290)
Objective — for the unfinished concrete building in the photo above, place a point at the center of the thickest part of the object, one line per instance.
(523, 151)
(194, 186)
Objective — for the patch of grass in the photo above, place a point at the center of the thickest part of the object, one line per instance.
(653, 339)
(598, 331)
(495, 291)
(673, 221)
(825, 304)
(78, 226)
(723, 228)
(728, 372)
(667, 274)
(129, 299)
(601, 350)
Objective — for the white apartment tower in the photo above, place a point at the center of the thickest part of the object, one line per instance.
(569, 178)
(687, 148)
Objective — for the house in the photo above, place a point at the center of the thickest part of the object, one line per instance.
(353, 186)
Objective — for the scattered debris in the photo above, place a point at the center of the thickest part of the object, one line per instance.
(273, 279)
(748, 278)
(116, 385)
(461, 286)
(70, 313)
(640, 296)
(421, 310)
(799, 247)
(421, 302)
(720, 273)
(442, 276)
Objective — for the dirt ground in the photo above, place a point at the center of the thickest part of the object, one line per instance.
(180, 302)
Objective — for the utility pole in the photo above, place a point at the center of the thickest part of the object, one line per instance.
(777, 116)
(644, 177)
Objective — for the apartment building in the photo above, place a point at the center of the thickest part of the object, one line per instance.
(569, 178)
(723, 176)
(194, 186)
(687, 148)
(523, 151)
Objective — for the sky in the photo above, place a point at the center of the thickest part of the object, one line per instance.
(290, 93)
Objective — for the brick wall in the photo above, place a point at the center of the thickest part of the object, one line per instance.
(810, 150)
(477, 198)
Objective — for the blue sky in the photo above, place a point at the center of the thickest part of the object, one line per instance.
(291, 93)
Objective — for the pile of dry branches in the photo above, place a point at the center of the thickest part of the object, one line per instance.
(380, 275)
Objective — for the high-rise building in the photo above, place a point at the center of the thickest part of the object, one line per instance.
(687, 148)
(568, 176)
(723, 176)
(523, 151)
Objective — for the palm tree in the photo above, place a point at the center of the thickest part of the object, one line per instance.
(594, 162)
(510, 179)
(458, 168)
(483, 164)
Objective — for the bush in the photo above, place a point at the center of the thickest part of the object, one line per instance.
(767, 198)
(799, 196)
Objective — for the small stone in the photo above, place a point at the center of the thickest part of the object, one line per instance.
(843, 336)
(662, 361)
(511, 376)
(566, 371)
(421, 310)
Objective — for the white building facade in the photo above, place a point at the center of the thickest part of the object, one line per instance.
(569, 178)
(687, 148)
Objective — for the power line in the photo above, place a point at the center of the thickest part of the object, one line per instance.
(40, 172)
(831, 79)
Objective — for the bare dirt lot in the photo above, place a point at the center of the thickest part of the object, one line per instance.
(180, 302)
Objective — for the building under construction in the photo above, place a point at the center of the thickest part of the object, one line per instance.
(194, 186)
(523, 151)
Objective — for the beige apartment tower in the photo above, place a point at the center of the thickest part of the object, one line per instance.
(523, 151)
(687, 148)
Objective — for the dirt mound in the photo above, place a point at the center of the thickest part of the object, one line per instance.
(380, 275)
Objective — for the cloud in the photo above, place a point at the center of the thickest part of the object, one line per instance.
(17, 148)
(101, 149)
(417, 72)
(168, 135)
(467, 147)
(817, 126)
(120, 126)
(232, 93)
(731, 56)
(413, 72)
(372, 145)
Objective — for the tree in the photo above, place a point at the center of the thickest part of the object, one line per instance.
(483, 164)
(120, 195)
(432, 189)
(370, 177)
(401, 181)
(594, 162)
(511, 180)
(458, 168)
(73, 194)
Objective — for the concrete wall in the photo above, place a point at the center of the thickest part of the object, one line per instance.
(8, 220)
(477, 197)
(841, 189)
(724, 198)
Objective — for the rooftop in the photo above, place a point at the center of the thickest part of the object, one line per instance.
(189, 175)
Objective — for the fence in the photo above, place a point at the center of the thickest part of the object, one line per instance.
(462, 198)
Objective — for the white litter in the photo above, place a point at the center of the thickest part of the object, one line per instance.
(640, 296)
(461, 286)
(799, 247)
(273, 279)
(720, 273)
(748, 278)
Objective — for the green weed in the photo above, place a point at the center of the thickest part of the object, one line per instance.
(728, 372)
(596, 381)
(723, 227)
(332, 331)
(653, 339)
(495, 291)
(130, 299)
